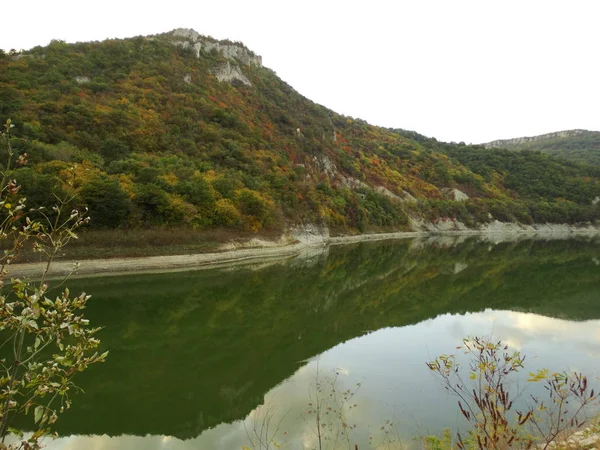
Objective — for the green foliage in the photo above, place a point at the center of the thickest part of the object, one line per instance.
(152, 204)
(123, 107)
(443, 442)
(39, 189)
(198, 192)
(532, 175)
(580, 146)
(108, 204)
(45, 338)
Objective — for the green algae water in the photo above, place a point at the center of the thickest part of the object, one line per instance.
(208, 359)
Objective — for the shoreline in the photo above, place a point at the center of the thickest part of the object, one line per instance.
(306, 239)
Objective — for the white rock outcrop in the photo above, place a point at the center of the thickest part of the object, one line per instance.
(326, 165)
(409, 198)
(231, 74)
(233, 52)
(237, 54)
(455, 194)
(188, 38)
(310, 234)
(386, 192)
(354, 183)
(459, 267)
(187, 33)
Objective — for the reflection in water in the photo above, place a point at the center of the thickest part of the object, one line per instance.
(396, 385)
(193, 355)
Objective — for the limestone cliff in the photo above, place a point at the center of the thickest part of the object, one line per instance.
(231, 73)
(188, 38)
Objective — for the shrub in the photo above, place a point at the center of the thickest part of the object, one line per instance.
(487, 398)
(49, 338)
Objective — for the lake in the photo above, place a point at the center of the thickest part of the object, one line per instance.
(205, 359)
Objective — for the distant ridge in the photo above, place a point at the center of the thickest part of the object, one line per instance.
(505, 143)
(582, 146)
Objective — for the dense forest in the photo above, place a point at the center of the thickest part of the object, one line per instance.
(180, 129)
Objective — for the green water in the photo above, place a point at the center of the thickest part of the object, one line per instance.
(193, 355)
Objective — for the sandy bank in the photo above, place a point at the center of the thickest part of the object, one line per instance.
(297, 241)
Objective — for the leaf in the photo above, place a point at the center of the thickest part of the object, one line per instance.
(38, 412)
(15, 431)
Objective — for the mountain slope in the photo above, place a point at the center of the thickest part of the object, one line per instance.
(575, 145)
(183, 129)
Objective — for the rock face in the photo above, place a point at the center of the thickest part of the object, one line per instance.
(231, 74)
(524, 140)
(310, 234)
(234, 52)
(188, 38)
(455, 194)
(237, 54)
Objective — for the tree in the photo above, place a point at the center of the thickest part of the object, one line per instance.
(107, 202)
(153, 204)
(45, 340)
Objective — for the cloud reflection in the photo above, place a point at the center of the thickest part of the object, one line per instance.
(395, 383)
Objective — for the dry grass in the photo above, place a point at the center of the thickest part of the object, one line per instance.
(150, 242)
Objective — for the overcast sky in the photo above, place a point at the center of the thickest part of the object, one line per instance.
(468, 71)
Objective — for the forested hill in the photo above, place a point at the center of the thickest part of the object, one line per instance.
(181, 129)
(576, 145)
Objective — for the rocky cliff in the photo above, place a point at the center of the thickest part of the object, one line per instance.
(188, 38)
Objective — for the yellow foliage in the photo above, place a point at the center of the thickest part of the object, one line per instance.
(127, 184)
(169, 178)
(75, 175)
(180, 210)
(253, 224)
(54, 167)
(209, 176)
(541, 375)
(226, 213)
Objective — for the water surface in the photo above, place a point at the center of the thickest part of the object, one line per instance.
(201, 359)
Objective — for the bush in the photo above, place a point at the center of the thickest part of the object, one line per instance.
(107, 202)
(487, 398)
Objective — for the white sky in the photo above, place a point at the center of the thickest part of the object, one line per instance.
(472, 70)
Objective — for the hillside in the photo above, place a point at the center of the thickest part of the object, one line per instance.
(181, 129)
(575, 145)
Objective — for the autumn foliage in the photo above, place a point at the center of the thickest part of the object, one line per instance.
(157, 140)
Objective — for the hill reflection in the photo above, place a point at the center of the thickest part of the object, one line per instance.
(192, 350)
